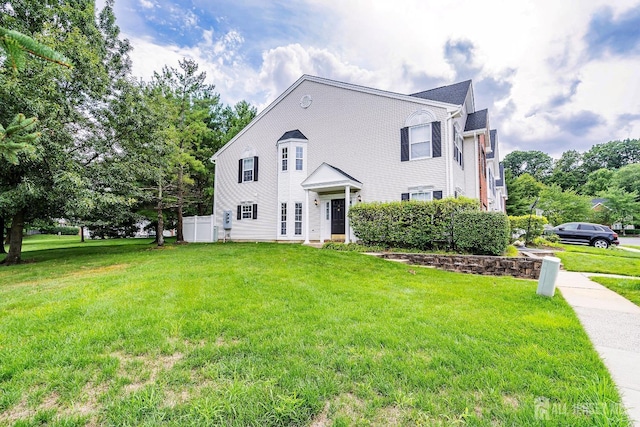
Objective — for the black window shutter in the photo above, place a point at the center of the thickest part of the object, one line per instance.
(404, 197)
(239, 212)
(436, 137)
(240, 171)
(255, 211)
(437, 195)
(404, 144)
(255, 168)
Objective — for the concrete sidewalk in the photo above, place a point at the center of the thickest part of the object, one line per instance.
(613, 325)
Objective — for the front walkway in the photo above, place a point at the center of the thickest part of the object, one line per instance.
(613, 325)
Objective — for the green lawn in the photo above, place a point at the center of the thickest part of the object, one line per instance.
(593, 260)
(119, 333)
(628, 288)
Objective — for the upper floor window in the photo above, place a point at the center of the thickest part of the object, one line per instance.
(247, 169)
(420, 141)
(299, 158)
(285, 159)
(458, 143)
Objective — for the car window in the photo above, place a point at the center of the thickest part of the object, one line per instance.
(570, 226)
(587, 227)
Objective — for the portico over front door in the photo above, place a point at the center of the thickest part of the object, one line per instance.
(337, 216)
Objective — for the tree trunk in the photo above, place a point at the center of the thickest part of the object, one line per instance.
(2, 249)
(82, 234)
(180, 235)
(160, 228)
(15, 247)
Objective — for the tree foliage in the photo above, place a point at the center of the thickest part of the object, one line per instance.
(535, 163)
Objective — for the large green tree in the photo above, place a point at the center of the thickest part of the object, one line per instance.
(49, 181)
(535, 163)
(523, 192)
(560, 206)
(567, 171)
(612, 155)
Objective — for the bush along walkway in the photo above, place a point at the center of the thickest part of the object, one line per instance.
(613, 325)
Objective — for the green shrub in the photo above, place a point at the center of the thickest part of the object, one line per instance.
(522, 222)
(412, 224)
(481, 233)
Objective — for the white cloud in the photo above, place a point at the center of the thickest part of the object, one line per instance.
(147, 4)
(532, 52)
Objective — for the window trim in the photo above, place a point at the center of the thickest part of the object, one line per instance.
(284, 157)
(429, 141)
(458, 144)
(245, 170)
(299, 159)
(247, 211)
(416, 192)
(297, 217)
(283, 218)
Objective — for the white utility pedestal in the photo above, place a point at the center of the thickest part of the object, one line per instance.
(548, 275)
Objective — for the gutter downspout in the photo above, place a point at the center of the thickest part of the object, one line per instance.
(213, 160)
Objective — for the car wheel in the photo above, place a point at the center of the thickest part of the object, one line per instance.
(601, 243)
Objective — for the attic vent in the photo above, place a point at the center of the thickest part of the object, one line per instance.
(306, 101)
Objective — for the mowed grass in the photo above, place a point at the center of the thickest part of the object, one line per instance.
(593, 260)
(119, 333)
(628, 288)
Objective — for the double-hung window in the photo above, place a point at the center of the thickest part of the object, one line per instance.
(424, 196)
(299, 158)
(283, 219)
(247, 211)
(458, 143)
(247, 169)
(285, 159)
(420, 141)
(298, 218)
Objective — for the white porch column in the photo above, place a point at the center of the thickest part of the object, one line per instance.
(347, 200)
(322, 220)
(306, 217)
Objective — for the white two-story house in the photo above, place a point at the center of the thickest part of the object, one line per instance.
(322, 146)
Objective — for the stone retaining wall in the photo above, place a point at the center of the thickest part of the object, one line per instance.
(527, 268)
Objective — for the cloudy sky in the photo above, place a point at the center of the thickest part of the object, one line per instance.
(555, 74)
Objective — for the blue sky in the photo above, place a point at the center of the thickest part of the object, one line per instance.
(555, 75)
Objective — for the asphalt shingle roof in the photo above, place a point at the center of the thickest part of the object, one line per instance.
(477, 120)
(452, 94)
(292, 134)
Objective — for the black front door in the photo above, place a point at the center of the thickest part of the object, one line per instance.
(337, 216)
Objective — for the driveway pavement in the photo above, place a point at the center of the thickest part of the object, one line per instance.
(613, 325)
(634, 241)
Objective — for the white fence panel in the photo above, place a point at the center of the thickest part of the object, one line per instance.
(199, 229)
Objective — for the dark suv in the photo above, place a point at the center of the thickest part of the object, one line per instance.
(585, 233)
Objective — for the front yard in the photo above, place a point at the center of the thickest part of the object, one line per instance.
(119, 333)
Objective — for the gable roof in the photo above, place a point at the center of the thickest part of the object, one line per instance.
(451, 94)
(477, 120)
(293, 134)
(493, 136)
(328, 177)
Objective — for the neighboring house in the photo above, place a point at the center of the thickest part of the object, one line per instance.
(322, 146)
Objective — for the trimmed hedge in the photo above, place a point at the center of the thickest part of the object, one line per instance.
(481, 233)
(522, 222)
(411, 224)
